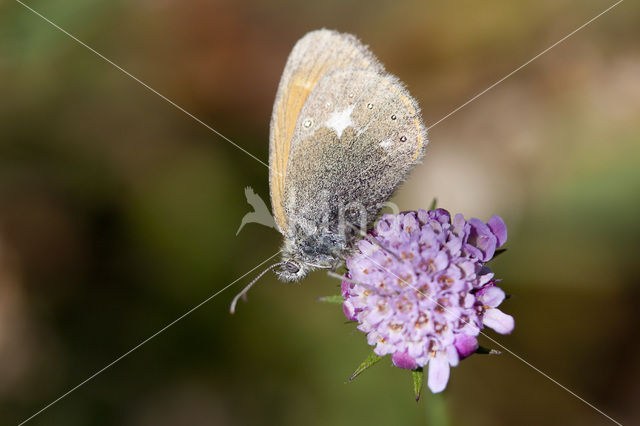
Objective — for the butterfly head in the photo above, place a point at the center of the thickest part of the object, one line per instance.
(292, 270)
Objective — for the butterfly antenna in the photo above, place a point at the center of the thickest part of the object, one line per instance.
(243, 293)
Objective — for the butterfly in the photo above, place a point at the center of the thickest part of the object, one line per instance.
(344, 134)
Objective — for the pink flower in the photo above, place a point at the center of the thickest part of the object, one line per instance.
(421, 291)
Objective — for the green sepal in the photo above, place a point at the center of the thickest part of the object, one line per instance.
(486, 351)
(498, 252)
(417, 376)
(368, 362)
(434, 204)
(336, 298)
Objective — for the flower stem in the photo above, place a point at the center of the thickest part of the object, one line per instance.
(436, 409)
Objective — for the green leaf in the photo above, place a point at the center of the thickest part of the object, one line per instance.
(434, 204)
(371, 360)
(417, 376)
(337, 299)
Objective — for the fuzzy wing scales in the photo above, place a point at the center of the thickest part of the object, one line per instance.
(313, 57)
(358, 135)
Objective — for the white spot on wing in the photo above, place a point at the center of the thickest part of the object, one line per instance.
(340, 120)
(386, 144)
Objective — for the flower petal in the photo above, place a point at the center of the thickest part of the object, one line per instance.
(482, 238)
(404, 360)
(349, 310)
(484, 276)
(452, 356)
(466, 345)
(423, 217)
(415, 348)
(499, 229)
(441, 215)
(459, 225)
(438, 372)
(498, 320)
(409, 222)
(344, 289)
(491, 296)
(441, 261)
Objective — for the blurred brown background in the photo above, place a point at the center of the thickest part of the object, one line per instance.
(118, 212)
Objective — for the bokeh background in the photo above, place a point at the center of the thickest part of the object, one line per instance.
(118, 212)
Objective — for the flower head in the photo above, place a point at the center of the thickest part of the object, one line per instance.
(419, 289)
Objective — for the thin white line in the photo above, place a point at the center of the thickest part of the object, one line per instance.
(257, 159)
(145, 85)
(499, 344)
(552, 379)
(143, 342)
(525, 64)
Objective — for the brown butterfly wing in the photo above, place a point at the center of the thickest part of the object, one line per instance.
(313, 57)
(358, 135)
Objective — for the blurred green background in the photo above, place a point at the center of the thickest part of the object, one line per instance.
(118, 212)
